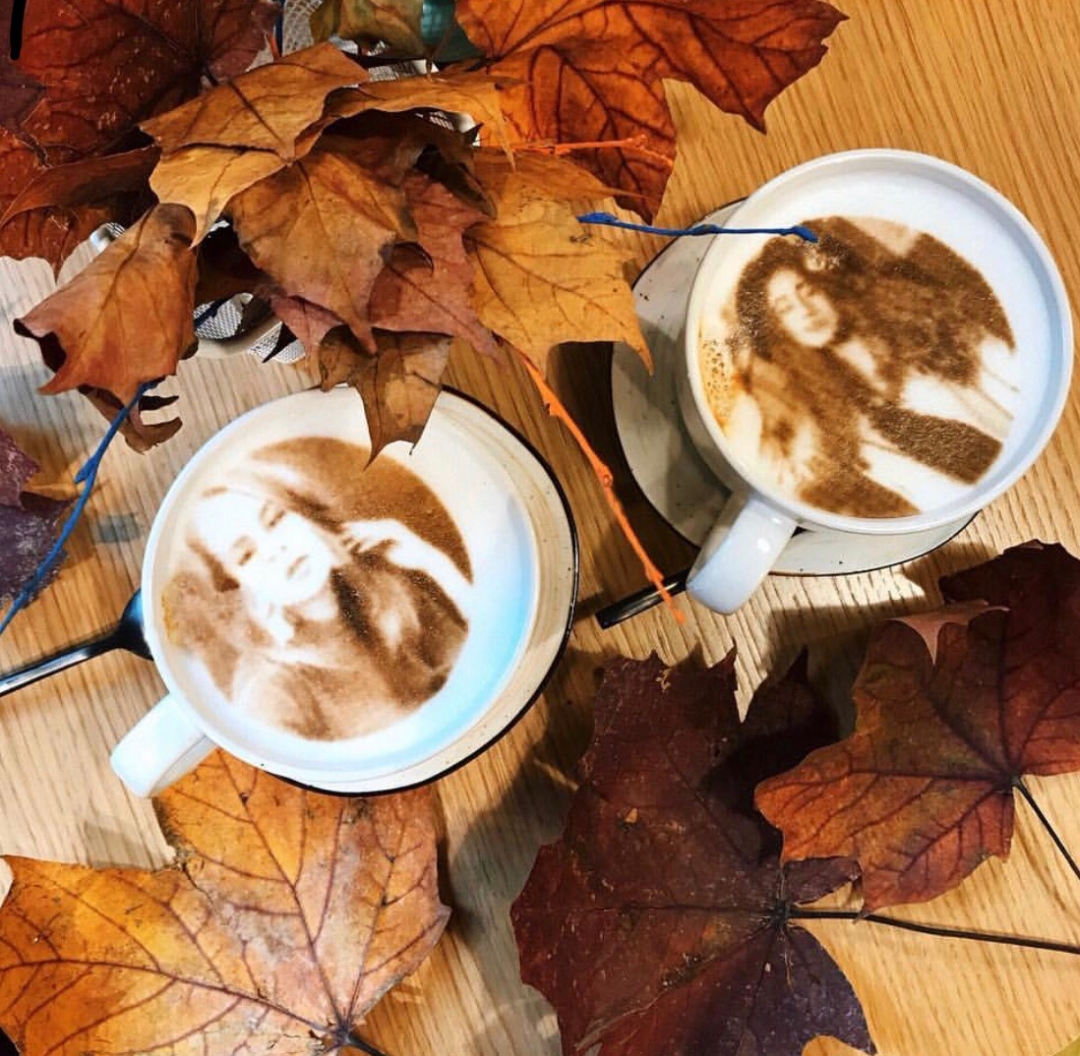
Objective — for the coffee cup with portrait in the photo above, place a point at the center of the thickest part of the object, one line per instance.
(888, 368)
(349, 626)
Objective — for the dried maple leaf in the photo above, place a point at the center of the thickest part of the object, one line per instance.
(320, 228)
(398, 384)
(308, 323)
(427, 286)
(594, 71)
(59, 207)
(107, 64)
(659, 922)
(126, 318)
(241, 132)
(397, 23)
(88, 72)
(286, 917)
(90, 181)
(53, 234)
(268, 108)
(474, 94)
(541, 278)
(954, 708)
(28, 522)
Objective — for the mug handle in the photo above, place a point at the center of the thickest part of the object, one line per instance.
(160, 748)
(738, 553)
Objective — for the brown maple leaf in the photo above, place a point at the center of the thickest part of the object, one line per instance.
(398, 384)
(397, 23)
(594, 71)
(28, 522)
(88, 72)
(473, 94)
(53, 234)
(307, 322)
(427, 285)
(241, 132)
(268, 108)
(93, 69)
(105, 64)
(541, 277)
(954, 708)
(93, 180)
(286, 917)
(659, 921)
(54, 210)
(320, 228)
(126, 318)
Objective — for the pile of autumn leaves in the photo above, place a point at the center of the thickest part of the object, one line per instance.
(376, 229)
(381, 221)
(377, 233)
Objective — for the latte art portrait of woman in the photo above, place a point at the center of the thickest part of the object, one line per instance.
(322, 600)
(874, 373)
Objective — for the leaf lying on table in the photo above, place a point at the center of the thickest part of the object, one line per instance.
(658, 922)
(954, 707)
(594, 72)
(286, 917)
(28, 522)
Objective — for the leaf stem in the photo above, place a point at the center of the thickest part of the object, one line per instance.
(86, 476)
(798, 913)
(603, 474)
(1020, 787)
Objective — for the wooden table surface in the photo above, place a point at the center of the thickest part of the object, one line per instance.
(989, 84)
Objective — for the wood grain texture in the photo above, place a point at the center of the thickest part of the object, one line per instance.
(992, 85)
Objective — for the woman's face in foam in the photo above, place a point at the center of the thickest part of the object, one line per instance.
(802, 308)
(276, 555)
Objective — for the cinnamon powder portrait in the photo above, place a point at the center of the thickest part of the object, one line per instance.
(321, 600)
(872, 372)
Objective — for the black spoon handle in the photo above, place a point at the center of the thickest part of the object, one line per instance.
(644, 599)
(49, 665)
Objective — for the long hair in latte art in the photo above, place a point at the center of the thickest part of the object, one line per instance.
(875, 370)
(321, 599)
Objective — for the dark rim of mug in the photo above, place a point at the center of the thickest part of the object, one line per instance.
(556, 658)
(690, 542)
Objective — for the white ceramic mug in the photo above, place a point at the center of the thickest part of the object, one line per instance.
(933, 241)
(347, 688)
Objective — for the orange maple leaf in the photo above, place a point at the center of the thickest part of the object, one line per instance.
(540, 277)
(126, 318)
(954, 707)
(286, 917)
(594, 71)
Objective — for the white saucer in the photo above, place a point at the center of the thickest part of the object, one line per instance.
(665, 464)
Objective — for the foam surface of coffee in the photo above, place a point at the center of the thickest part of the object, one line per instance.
(324, 608)
(875, 373)
(334, 617)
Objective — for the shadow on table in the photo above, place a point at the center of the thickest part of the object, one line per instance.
(497, 853)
